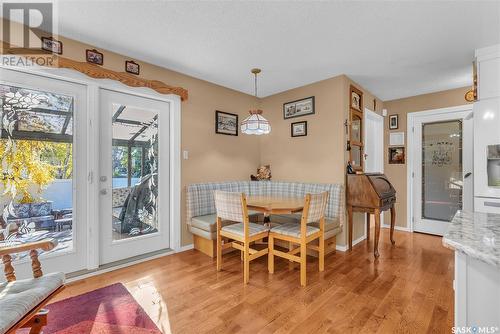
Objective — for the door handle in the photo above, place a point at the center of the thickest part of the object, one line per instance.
(467, 175)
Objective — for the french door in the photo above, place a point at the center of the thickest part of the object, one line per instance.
(43, 188)
(441, 167)
(134, 175)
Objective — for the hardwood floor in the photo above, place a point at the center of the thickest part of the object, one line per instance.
(407, 290)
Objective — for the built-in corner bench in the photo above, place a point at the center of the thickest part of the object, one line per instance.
(201, 207)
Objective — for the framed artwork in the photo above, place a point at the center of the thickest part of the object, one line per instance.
(299, 129)
(95, 57)
(355, 100)
(226, 123)
(132, 67)
(396, 138)
(52, 45)
(393, 122)
(298, 108)
(397, 155)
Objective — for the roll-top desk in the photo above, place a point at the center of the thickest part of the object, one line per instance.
(371, 193)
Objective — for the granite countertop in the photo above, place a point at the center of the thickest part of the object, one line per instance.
(476, 234)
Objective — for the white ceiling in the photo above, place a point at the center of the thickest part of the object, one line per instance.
(394, 49)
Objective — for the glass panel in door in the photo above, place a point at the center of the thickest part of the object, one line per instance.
(36, 150)
(134, 166)
(442, 179)
(134, 178)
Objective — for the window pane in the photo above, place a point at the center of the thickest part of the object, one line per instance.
(37, 159)
(442, 181)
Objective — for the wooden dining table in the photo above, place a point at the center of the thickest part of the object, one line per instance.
(275, 205)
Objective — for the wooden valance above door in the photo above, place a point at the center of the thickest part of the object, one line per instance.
(98, 72)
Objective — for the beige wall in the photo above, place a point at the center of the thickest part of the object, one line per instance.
(321, 155)
(397, 173)
(212, 157)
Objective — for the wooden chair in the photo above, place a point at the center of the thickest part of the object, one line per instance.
(21, 301)
(233, 207)
(302, 234)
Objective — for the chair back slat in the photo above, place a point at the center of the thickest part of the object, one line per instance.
(317, 207)
(229, 205)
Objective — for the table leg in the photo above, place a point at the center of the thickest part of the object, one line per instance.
(393, 222)
(349, 214)
(377, 233)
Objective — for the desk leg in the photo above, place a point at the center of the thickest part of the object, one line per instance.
(393, 222)
(349, 214)
(377, 233)
(367, 226)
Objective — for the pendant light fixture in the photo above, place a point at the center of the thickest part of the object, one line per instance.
(255, 124)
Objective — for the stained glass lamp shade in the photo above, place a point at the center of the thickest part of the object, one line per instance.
(255, 124)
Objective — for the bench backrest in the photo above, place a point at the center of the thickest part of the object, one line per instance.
(200, 196)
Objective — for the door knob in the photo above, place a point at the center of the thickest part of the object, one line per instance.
(103, 191)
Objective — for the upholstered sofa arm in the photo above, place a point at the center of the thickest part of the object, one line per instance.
(8, 248)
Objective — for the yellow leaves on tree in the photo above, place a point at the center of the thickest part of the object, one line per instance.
(24, 172)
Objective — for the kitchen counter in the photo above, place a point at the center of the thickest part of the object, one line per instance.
(476, 234)
(475, 237)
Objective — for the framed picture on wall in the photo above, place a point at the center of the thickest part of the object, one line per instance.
(393, 122)
(52, 45)
(355, 100)
(132, 67)
(95, 57)
(226, 123)
(298, 108)
(397, 155)
(299, 129)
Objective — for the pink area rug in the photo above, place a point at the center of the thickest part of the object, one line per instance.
(111, 309)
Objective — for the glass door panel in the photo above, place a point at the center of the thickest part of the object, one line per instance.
(134, 175)
(39, 154)
(134, 157)
(442, 172)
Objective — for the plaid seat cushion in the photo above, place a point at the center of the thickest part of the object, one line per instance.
(238, 229)
(293, 230)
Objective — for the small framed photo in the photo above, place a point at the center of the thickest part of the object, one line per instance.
(397, 155)
(95, 57)
(393, 122)
(52, 45)
(226, 123)
(132, 67)
(355, 100)
(299, 129)
(298, 108)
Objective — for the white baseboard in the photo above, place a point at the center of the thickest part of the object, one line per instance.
(354, 242)
(399, 228)
(185, 248)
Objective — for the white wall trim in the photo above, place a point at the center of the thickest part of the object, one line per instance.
(354, 242)
(398, 228)
(185, 248)
(410, 147)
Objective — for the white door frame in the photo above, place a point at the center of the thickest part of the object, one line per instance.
(93, 86)
(462, 112)
(374, 117)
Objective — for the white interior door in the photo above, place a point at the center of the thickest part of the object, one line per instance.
(134, 178)
(44, 156)
(441, 168)
(373, 142)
